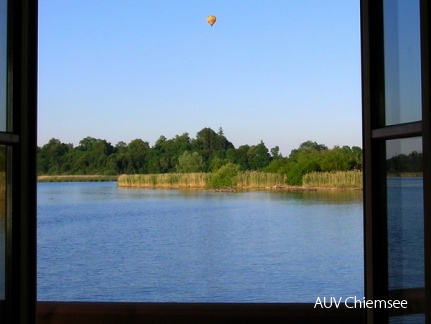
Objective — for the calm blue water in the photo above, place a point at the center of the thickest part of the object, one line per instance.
(97, 242)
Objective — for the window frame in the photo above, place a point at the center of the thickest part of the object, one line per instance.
(425, 14)
(20, 138)
(374, 137)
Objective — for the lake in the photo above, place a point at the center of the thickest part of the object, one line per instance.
(98, 242)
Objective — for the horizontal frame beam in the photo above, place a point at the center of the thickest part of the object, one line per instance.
(8, 138)
(398, 131)
(113, 312)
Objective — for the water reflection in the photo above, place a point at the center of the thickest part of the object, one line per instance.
(2, 248)
(405, 215)
(334, 196)
(405, 233)
(405, 218)
(326, 196)
(2, 221)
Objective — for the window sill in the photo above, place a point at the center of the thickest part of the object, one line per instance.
(111, 312)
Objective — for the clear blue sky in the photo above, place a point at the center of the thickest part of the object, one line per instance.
(281, 71)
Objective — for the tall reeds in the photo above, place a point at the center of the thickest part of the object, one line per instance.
(249, 179)
(76, 178)
(255, 179)
(338, 179)
(164, 180)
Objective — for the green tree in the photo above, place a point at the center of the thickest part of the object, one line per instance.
(51, 157)
(242, 158)
(295, 174)
(310, 145)
(258, 156)
(280, 165)
(306, 158)
(90, 157)
(97, 156)
(211, 144)
(357, 153)
(275, 153)
(138, 151)
(190, 162)
(120, 147)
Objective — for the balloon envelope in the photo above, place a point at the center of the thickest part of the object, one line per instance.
(211, 20)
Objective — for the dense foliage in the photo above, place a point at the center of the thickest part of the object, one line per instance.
(208, 152)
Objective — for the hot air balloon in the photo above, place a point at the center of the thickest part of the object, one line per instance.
(211, 20)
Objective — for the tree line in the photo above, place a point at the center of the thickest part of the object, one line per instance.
(207, 152)
(400, 163)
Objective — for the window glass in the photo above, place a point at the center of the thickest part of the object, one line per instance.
(411, 319)
(2, 220)
(3, 63)
(402, 62)
(405, 213)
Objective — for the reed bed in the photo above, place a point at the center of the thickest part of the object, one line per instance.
(338, 179)
(76, 178)
(249, 179)
(164, 180)
(255, 179)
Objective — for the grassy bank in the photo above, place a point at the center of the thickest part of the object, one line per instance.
(75, 178)
(197, 180)
(338, 179)
(254, 179)
(164, 180)
(248, 179)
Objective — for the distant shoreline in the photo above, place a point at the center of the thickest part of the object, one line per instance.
(406, 175)
(199, 183)
(102, 178)
(76, 178)
(278, 187)
(245, 181)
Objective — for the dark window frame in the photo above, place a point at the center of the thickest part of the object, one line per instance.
(374, 137)
(20, 140)
(426, 142)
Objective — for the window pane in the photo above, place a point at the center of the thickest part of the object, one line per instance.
(2, 221)
(411, 319)
(402, 62)
(405, 213)
(3, 63)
